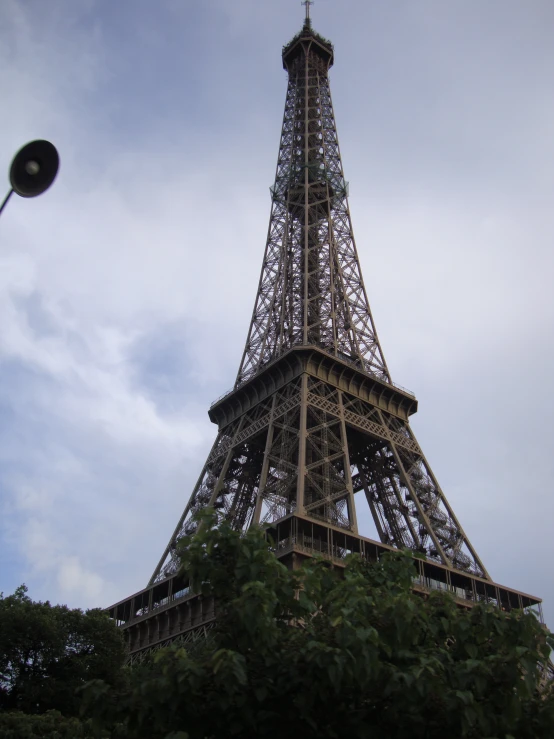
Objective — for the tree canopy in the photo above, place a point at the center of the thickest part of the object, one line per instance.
(319, 652)
(47, 652)
(49, 725)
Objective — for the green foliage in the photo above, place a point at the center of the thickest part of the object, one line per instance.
(48, 652)
(366, 657)
(49, 725)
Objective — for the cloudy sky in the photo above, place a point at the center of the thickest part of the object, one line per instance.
(126, 290)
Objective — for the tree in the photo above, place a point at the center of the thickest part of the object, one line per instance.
(315, 654)
(49, 725)
(47, 652)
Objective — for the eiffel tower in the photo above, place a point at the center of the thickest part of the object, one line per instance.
(314, 417)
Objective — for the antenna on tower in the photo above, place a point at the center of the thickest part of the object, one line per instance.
(307, 3)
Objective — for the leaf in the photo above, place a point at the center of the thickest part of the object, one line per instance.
(260, 693)
(472, 650)
(465, 696)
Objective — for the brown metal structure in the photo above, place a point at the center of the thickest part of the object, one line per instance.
(314, 416)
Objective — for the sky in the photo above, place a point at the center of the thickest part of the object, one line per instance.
(126, 290)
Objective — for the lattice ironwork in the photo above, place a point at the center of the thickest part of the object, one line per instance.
(190, 640)
(311, 289)
(308, 445)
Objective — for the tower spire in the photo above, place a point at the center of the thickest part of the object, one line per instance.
(308, 21)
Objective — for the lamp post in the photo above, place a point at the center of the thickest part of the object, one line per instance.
(33, 170)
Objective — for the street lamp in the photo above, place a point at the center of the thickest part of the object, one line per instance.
(33, 170)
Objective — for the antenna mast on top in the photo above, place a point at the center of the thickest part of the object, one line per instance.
(307, 3)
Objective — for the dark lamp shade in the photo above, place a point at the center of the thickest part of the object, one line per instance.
(34, 168)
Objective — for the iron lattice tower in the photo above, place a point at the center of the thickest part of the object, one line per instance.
(314, 416)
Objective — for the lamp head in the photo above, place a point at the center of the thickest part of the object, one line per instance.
(34, 168)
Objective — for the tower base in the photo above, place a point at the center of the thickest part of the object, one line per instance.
(168, 611)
